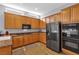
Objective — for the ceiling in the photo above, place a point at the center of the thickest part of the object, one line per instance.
(39, 8)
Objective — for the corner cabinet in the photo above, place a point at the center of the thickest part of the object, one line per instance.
(42, 37)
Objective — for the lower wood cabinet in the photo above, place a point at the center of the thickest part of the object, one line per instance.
(5, 50)
(35, 37)
(27, 39)
(17, 41)
(43, 37)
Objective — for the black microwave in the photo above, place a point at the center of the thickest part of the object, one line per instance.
(26, 26)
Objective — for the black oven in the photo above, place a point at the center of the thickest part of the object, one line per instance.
(71, 44)
(26, 26)
(71, 37)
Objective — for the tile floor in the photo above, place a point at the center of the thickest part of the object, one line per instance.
(34, 49)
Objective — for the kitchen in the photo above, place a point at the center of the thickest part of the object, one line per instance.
(25, 33)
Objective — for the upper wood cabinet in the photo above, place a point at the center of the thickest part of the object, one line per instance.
(35, 23)
(18, 21)
(43, 23)
(75, 13)
(12, 21)
(55, 18)
(66, 15)
(58, 17)
(52, 18)
(9, 20)
(47, 19)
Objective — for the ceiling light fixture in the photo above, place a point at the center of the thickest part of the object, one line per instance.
(19, 8)
(36, 8)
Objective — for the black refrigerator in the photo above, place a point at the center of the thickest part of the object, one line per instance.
(53, 36)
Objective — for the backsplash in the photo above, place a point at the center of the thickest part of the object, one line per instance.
(22, 30)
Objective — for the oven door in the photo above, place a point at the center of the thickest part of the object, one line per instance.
(71, 45)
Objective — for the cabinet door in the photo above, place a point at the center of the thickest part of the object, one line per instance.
(9, 20)
(52, 18)
(30, 38)
(17, 41)
(66, 15)
(35, 23)
(75, 13)
(35, 37)
(38, 23)
(26, 40)
(58, 17)
(43, 37)
(24, 20)
(42, 24)
(18, 21)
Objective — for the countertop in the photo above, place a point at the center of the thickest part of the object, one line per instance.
(8, 41)
(5, 41)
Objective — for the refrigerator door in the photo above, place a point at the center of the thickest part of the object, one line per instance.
(54, 27)
(48, 27)
(55, 36)
(48, 31)
(48, 40)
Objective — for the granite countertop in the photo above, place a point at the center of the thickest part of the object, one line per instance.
(5, 41)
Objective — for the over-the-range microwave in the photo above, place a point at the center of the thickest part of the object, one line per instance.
(26, 26)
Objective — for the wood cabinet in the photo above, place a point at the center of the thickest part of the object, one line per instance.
(75, 13)
(43, 37)
(66, 15)
(35, 37)
(18, 21)
(12, 21)
(35, 23)
(42, 24)
(26, 20)
(5, 50)
(31, 38)
(27, 39)
(9, 20)
(58, 17)
(52, 18)
(17, 41)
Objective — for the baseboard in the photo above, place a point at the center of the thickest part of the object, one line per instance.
(24, 45)
(68, 52)
(42, 42)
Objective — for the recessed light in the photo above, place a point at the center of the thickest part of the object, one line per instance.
(36, 8)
